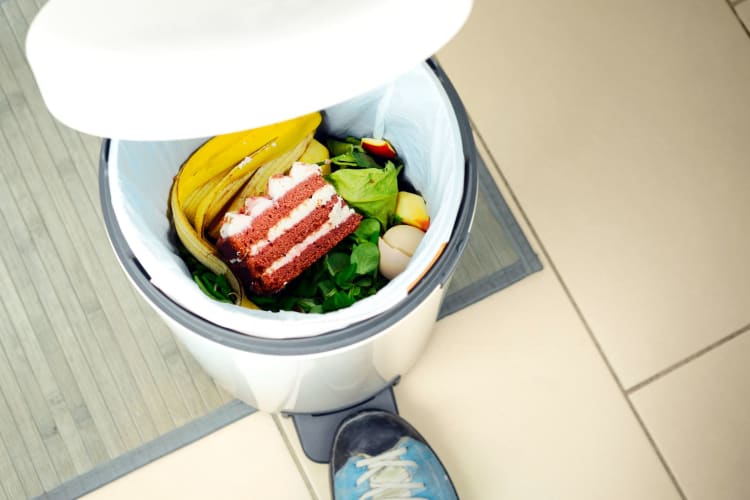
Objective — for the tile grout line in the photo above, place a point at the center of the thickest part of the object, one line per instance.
(679, 364)
(297, 462)
(580, 315)
(733, 8)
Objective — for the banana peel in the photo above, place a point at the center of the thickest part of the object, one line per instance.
(293, 136)
(199, 248)
(193, 199)
(204, 251)
(228, 183)
(215, 203)
(211, 177)
(221, 153)
(315, 153)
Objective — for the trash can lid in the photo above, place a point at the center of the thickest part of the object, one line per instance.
(175, 69)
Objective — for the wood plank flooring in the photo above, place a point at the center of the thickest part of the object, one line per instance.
(87, 370)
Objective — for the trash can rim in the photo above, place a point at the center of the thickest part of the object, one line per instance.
(436, 277)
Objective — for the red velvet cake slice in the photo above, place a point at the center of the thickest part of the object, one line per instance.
(276, 237)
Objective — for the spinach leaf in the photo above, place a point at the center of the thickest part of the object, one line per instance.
(338, 148)
(349, 153)
(368, 230)
(365, 256)
(327, 287)
(344, 278)
(215, 286)
(345, 160)
(336, 262)
(364, 160)
(338, 301)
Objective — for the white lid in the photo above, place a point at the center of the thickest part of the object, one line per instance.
(174, 69)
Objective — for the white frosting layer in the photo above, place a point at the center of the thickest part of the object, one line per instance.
(237, 222)
(234, 223)
(339, 213)
(256, 205)
(304, 209)
(278, 186)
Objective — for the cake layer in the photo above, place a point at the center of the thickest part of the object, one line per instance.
(325, 196)
(286, 269)
(258, 224)
(315, 235)
(277, 237)
(256, 235)
(263, 254)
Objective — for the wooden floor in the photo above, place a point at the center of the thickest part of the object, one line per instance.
(87, 370)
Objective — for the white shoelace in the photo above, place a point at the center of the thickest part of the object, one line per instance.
(389, 478)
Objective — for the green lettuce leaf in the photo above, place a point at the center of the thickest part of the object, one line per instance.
(371, 191)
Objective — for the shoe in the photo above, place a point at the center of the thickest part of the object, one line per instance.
(378, 455)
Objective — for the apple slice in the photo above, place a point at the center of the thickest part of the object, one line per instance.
(411, 209)
(378, 147)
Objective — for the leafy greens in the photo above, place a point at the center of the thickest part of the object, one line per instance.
(371, 191)
(214, 285)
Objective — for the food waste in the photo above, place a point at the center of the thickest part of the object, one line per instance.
(228, 179)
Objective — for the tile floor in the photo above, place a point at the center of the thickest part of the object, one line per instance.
(622, 370)
(254, 464)
(743, 12)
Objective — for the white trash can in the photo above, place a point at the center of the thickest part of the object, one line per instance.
(150, 74)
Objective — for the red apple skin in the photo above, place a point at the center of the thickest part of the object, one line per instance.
(378, 147)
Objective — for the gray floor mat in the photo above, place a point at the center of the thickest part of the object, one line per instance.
(498, 253)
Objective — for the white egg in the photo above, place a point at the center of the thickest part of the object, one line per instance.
(396, 247)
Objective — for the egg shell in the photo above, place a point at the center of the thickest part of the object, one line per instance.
(396, 247)
(392, 261)
(404, 238)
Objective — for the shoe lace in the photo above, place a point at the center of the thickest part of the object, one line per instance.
(388, 475)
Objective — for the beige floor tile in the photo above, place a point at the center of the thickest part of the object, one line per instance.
(317, 474)
(743, 10)
(519, 404)
(699, 416)
(622, 127)
(247, 459)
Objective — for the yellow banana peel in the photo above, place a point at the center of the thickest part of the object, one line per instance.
(223, 152)
(213, 175)
(239, 174)
(199, 248)
(290, 135)
(192, 201)
(315, 153)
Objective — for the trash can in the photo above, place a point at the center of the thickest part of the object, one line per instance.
(159, 78)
